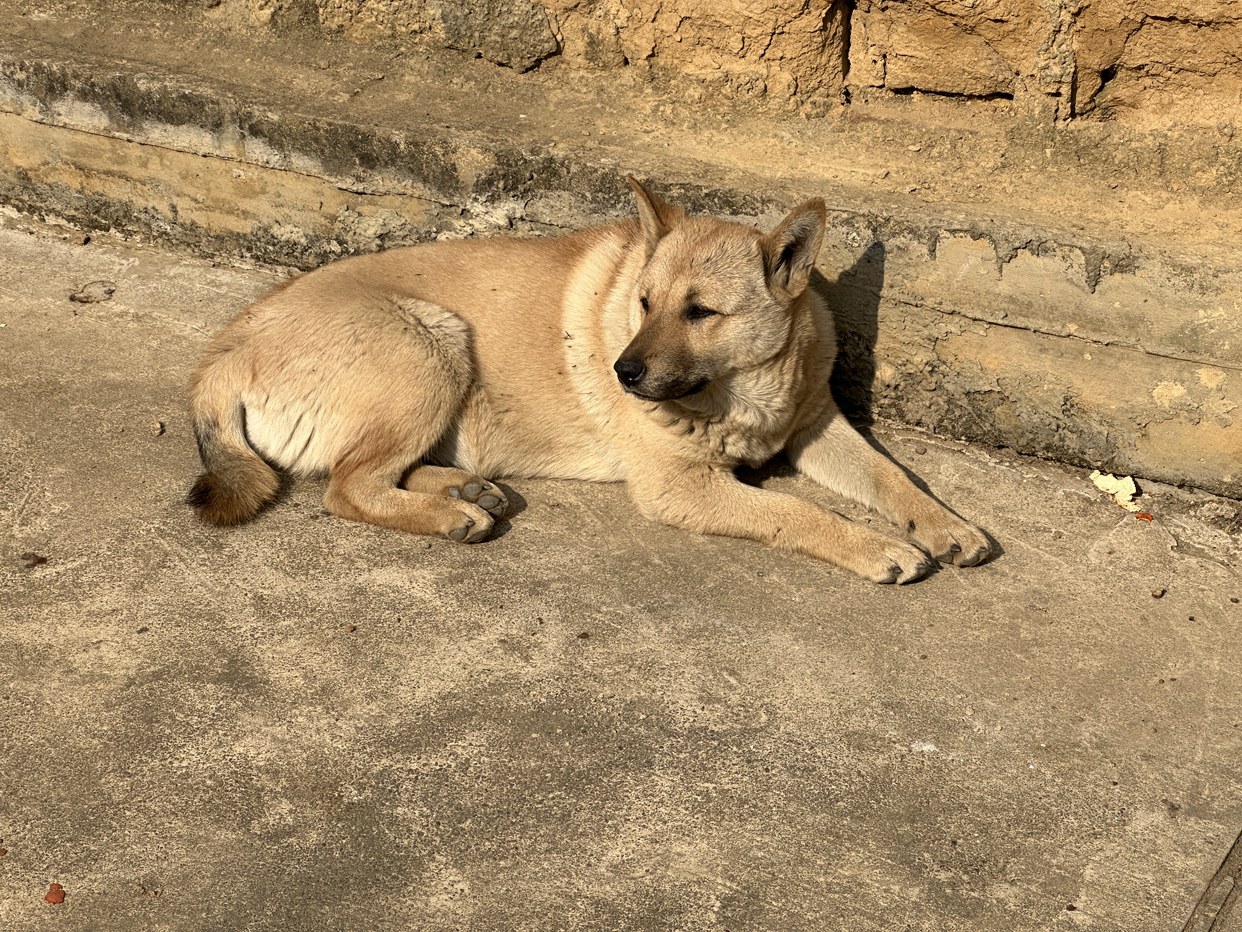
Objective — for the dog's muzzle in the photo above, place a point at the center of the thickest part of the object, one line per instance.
(633, 376)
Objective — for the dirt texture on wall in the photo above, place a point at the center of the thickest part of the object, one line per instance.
(1109, 60)
(1002, 269)
(766, 50)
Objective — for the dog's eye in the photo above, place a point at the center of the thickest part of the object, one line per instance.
(699, 312)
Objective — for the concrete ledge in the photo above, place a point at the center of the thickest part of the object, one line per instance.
(1103, 343)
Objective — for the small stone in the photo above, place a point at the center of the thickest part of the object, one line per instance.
(157, 428)
(94, 292)
(1158, 593)
(55, 894)
(920, 449)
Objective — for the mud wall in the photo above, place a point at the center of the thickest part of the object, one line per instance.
(1107, 60)
(1009, 262)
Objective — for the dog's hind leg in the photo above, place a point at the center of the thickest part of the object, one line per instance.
(407, 385)
(364, 488)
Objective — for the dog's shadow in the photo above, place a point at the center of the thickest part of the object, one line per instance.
(517, 505)
(854, 298)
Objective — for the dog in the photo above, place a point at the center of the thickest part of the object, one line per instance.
(664, 351)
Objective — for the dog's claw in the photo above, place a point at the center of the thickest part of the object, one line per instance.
(979, 555)
(949, 539)
(919, 571)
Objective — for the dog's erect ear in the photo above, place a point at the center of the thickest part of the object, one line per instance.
(657, 217)
(790, 251)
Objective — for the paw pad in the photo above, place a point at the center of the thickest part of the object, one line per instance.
(483, 494)
(459, 533)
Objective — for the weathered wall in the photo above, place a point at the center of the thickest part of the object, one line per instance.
(1066, 287)
(770, 50)
(1109, 59)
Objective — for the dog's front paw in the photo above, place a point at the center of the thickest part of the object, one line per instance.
(950, 539)
(885, 560)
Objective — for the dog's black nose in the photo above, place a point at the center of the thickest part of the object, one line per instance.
(629, 371)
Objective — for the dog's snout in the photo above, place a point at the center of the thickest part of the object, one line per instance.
(629, 371)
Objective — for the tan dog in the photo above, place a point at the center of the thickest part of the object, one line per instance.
(664, 352)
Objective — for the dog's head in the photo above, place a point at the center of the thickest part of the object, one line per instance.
(715, 297)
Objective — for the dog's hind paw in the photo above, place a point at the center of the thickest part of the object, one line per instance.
(458, 484)
(482, 493)
(470, 526)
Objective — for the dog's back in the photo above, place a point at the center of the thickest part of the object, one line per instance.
(320, 366)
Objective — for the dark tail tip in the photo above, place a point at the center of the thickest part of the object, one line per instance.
(228, 504)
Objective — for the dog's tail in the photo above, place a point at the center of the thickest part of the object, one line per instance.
(236, 481)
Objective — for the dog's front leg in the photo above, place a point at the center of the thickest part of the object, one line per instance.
(707, 500)
(835, 455)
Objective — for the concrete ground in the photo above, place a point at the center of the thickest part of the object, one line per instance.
(588, 722)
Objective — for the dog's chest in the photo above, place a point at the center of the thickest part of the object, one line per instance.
(739, 436)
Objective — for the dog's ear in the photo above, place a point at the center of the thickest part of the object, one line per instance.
(790, 251)
(657, 217)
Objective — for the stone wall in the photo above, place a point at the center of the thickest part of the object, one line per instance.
(1106, 60)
